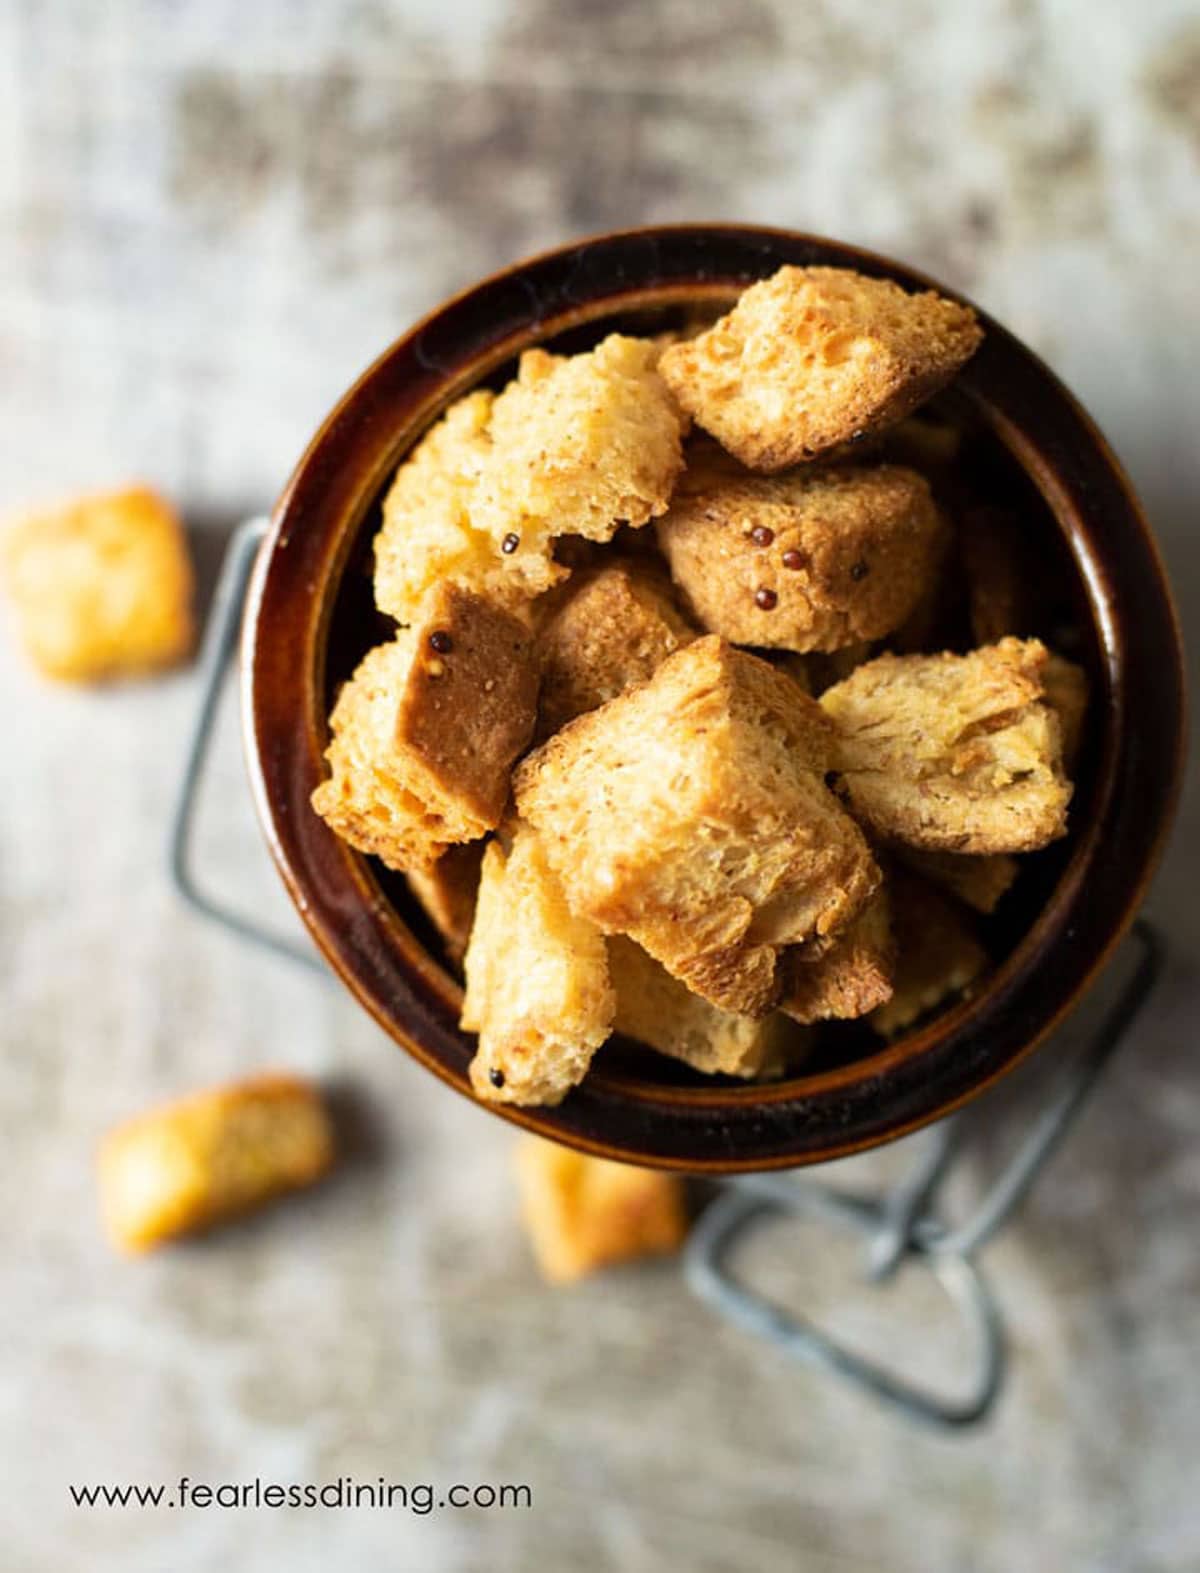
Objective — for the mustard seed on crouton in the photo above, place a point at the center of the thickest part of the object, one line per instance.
(426, 731)
(538, 991)
(954, 753)
(814, 560)
(691, 814)
(814, 357)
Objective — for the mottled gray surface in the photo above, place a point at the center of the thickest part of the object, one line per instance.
(212, 215)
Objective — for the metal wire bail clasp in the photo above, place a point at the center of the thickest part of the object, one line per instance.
(901, 1225)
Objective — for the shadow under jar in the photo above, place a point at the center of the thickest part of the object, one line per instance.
(1025, 442)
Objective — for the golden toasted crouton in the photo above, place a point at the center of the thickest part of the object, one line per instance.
(429, 535)
(425, 732)
(848, 976)
(538, 991)
(979, 881)
(101, 587)
(658, 1010)
(580, 444)
(585, 1213)
(211, 1157)
(953, 752)
(1066, 688)
(937, 954)
(814, 357)
(691, 814)
(815, 560)
(615, 628)
(446, 891)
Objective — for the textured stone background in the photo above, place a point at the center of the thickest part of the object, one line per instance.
(212, 215)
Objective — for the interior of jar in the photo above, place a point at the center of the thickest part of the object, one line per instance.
(985, 472)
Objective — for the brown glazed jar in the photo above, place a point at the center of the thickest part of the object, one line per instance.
(310, 617)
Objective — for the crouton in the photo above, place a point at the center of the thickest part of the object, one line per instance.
(101, 587)
(615, 628)
(814, 560)
(211, 1157)
(999, 574)
(978, 881)
(446, 892)
(848, 976)
(582, 1213)
(1066, 687)
(814, 357)
(691, 814)
(425, 732)
(538, 991)
(662, 1013)
(429, 534)
(956, 753)
(580, 444)
(937, 953)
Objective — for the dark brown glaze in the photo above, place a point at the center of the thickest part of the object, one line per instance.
(310, 581)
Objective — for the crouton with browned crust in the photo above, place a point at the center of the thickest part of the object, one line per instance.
(814, 357)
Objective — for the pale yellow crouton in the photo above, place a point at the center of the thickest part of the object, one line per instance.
(953, 752)
(425, 732)
(937, 953)
(814, 357)
(691, 814)
(429, 534)
(101, 587)
(446, 891)
(658, 1010)
(211, 1157)
(580, 444)
(615, 629)
(814, 560)
(849, 975)
(585, 1213)
(538, 991)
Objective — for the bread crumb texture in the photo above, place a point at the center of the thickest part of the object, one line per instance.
(691, 814)
(583, 1214)
(847, 976)
(211, 1157)
(101, 587)
(664, 1014)
(953, 753)
(814, 357)
(573, 446)
(615, 629)
(538, 991)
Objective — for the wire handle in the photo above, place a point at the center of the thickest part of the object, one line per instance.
(901, 1225)
(216, 654)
